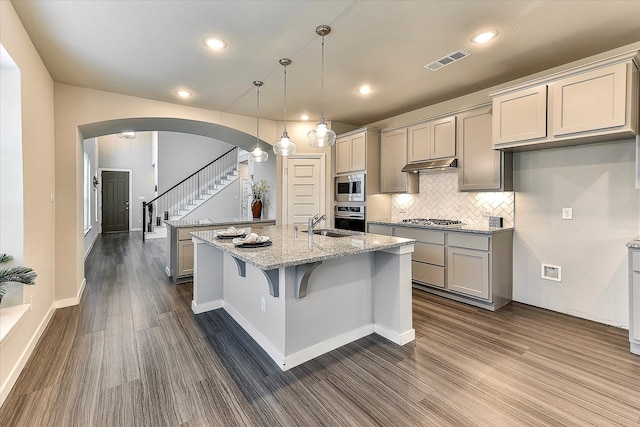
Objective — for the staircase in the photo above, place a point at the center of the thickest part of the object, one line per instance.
(184, 197)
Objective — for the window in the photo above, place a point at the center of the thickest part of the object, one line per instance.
(87, 193)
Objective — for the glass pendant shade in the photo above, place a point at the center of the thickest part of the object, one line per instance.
(284, 147)
(322, 136)
(258, 155)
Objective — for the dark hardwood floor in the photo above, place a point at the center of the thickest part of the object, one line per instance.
(133, 354)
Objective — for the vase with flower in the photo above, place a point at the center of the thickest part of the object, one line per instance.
(259, 189)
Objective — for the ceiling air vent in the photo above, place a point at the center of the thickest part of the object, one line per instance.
(446, 60)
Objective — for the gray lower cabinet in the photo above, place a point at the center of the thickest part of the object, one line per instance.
(468, 264)
(428, 258)
(634, 300)
(467, 267)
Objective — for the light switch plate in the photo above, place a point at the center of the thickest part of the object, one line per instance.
(567, 213)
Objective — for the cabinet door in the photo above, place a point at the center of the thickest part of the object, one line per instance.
(393, 157)
(185, 258)
(419, 142)
(468, 272)
(481, 167)
(520, 116)
(343, 155)
(590, 101)
(443, 138)
(634, 308)
(358, 152)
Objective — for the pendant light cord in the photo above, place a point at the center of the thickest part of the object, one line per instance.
(285, 99)
(258, 117)
(322, 83)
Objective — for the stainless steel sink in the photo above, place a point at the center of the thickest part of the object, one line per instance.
(330, 232)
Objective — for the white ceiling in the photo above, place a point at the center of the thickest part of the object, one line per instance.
(149, 49)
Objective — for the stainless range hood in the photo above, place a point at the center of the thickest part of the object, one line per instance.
(432, 165)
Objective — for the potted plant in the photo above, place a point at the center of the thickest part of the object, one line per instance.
(259, 190)
(17, 274)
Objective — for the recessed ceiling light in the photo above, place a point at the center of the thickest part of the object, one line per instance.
(215, 43)
(485, 36)
(183, 93)
(364, 90)
(304, 117)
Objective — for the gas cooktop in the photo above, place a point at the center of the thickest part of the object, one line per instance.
(432, 221)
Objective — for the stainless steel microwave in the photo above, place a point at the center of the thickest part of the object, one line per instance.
(350, 188)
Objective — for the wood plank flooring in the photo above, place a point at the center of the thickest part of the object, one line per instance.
(133, 354)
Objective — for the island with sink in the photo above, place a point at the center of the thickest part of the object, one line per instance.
(307, 293)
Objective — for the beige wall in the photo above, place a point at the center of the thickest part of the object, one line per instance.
(598, 182)
(38, 154)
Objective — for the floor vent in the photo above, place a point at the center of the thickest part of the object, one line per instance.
(446, 60)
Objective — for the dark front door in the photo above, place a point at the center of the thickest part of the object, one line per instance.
(115, 201)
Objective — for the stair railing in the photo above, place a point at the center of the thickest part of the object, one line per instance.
(187, 192)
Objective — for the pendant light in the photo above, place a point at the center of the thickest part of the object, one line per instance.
(257, 155)
(322, 136)
(285, 146)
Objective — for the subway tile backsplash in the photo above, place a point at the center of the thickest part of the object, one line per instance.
(439, 198)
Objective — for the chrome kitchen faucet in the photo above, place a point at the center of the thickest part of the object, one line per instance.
(313, 221)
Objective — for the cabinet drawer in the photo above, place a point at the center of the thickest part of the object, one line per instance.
(381, 229)
(427, 273)
(469, 241)
(427, 236)
(635, 260)
(426, 252)
(183, 233)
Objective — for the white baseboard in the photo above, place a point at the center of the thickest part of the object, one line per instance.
(395, 337)
(72, 301)
(86, 254)
(24, 357)
(635, 348)
(207, 306)
(325, 347)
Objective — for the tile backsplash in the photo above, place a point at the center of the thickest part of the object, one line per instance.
(439, 198)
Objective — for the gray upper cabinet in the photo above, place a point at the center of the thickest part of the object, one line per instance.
(435, 139)
(351, 153)
(393, 157)
(481, 168)
(593, 103)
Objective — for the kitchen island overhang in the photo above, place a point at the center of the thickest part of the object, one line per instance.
(298, 304)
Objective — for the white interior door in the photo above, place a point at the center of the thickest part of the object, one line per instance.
(304, 183)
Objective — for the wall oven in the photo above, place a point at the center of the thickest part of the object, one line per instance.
(350, 188)
(349, 217)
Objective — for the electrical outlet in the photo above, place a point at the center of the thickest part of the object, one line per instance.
(551, 272)
(264, 305)
(567, 213)
(403, 210)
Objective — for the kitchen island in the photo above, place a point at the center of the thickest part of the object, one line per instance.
(180, 247)
(298, 304)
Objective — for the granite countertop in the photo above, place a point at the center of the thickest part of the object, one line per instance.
(288, 250)
(470, 228)
(190, 223)
(634, 244)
